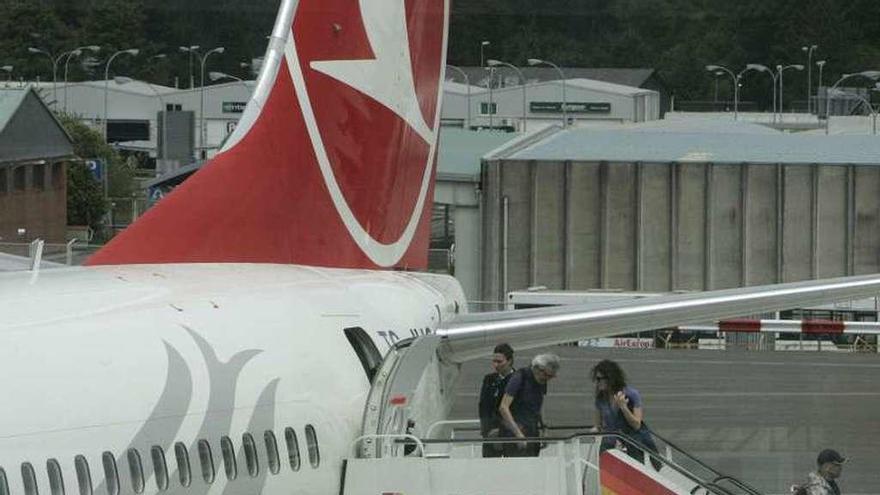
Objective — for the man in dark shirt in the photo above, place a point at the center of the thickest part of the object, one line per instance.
(490, 397)
(521, 405)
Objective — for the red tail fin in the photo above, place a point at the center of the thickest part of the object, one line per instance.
(332, 163)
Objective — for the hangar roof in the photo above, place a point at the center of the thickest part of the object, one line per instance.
(692, 141)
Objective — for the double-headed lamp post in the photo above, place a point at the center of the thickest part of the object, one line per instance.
(522, 80)
(869, 74)
(191, 50)
(736, 78)
(467, 83)
(809, 50)
(202, 129)
(764, 68)
(75, 53)
(131, 51)
(536, 61)
(54, 63)
(780, 69)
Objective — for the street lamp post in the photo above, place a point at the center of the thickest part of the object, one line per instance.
(764, 68)
(207, 54)
(781, 69)
(76, 52)
(869, 74)
(736, 79)
(537, 61)
(522, 80)
(54, 69)
(809, 50)
(483, 44)
(192, 50)
(820, 64)
(131, 51)
(467, 83)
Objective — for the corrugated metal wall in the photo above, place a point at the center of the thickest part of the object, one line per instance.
(668, 226)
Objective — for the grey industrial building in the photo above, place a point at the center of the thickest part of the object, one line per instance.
(678, 205)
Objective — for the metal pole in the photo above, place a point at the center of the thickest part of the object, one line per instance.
(522, 81)
(66, 65)
(491, 111)
(468, 84)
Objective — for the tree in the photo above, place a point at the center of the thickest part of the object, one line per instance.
(86, 204)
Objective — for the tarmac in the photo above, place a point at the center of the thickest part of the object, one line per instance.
(760, 416)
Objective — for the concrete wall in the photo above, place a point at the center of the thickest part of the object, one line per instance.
(669, 226)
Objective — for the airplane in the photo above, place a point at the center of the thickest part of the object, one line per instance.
(248, 329)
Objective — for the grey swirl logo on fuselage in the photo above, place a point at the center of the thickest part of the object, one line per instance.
(163, 425)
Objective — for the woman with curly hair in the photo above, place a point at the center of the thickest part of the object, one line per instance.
(619, 409)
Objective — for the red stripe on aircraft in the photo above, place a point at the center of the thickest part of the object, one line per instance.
(620, 478)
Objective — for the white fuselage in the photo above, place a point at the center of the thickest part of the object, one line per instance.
(147, 357)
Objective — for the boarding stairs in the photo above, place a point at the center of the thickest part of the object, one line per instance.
(409, 446)
(568, 464)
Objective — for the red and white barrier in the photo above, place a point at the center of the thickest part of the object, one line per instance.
(811, 327)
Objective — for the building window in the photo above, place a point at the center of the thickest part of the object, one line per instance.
(206, 459)
(487, 108)
(56, 481)
(39, 176)
(4, 180)
(250, 455)
(228, 451)
(312, 443)
(111, 474)
(271, 452)
(29, 477)
(292, 448)
(83, 475)
(19, 182)
(136, 470)
(183, 468)
(160, 468)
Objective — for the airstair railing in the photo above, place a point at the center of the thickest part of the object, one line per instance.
(709, 476)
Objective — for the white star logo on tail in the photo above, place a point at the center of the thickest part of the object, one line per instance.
(388, 78)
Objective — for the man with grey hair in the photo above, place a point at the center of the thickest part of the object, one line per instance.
(521, 404)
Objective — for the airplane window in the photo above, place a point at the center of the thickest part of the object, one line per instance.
(312, 442)
(160, 468)
(29, 478)
(271, 452)
(206, 459)
(250, 455)
(292, 448)
(56, 481)
(183, 468)
(4, 485)
(228, 458)
(111, 474)
(136, 470)
(83, 475)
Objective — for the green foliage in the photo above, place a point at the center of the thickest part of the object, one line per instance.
(677, 37)
(85, 197)
(85, 203)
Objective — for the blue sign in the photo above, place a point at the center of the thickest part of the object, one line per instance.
(96, 167)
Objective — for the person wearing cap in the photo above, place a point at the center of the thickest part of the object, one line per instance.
(823, 480)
